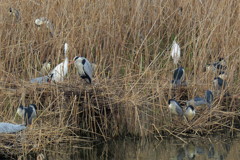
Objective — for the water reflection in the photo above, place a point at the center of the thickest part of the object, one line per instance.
(129, 149)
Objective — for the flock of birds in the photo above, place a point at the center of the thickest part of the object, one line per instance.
(85, 71)
(84, 68)
(178, 80)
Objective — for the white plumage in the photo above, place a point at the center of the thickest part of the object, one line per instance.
(58, 73)
(175, 52)
(84, 68)
(44, 20)
(10, 128)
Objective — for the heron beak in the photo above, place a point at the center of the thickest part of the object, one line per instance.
(71, 62)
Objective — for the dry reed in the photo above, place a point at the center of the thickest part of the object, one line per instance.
(130, 42)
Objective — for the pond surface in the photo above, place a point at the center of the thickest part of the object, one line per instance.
(215, 148)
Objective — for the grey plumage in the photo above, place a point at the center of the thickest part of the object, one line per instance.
(219, 83)
(175, 107)
(84, 68)
(43, 79)
(15, 13)
(217, 66)
(198, 101)
(209, 97)
(27, 113)
(10, 127)
(178, 76)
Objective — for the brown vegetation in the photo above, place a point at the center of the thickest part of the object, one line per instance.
(130, 42)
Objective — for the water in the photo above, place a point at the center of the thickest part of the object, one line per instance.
(215, 148)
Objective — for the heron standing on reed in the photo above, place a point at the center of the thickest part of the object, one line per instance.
(60, 71)
(84, 68)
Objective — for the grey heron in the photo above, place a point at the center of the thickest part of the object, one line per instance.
(84, 68)
(175, 107)
(27, 113)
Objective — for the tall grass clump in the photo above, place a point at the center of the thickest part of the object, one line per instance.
(130, 42)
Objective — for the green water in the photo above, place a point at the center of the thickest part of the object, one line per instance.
(214, 148)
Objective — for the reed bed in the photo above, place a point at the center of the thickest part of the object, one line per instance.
(130, 42)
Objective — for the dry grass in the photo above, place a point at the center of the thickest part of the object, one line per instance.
(130, 42)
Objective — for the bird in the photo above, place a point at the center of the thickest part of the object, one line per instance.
(209, 97)
(217, 66)
(175, 52)
(219, 83)
(15, 13)
(84, 68)
(11, 128)
(60, 71)
(45, 68)
(43, 79)
(27, 113)
(44, 20)
(197, 101)
(178, 76)
(175, 107)
(190, 112)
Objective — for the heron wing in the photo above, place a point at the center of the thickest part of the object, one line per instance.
(10, 128)
(87, 68)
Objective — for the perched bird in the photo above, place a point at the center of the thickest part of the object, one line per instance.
(27, 113)
(11, 128)
(217, 66)
(45, 68)
(219, 83)
(175, 52)
(209, 97)
(84, 68)
(15, 13)
(60, 71)
(178, 76)
(197, 101)
(190, 112)
(175, 107)
(44, 20)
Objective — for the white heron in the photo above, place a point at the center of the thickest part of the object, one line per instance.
(60, 71)
(11, 128)
(84, 68)
(175, 52)
(27, 113)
